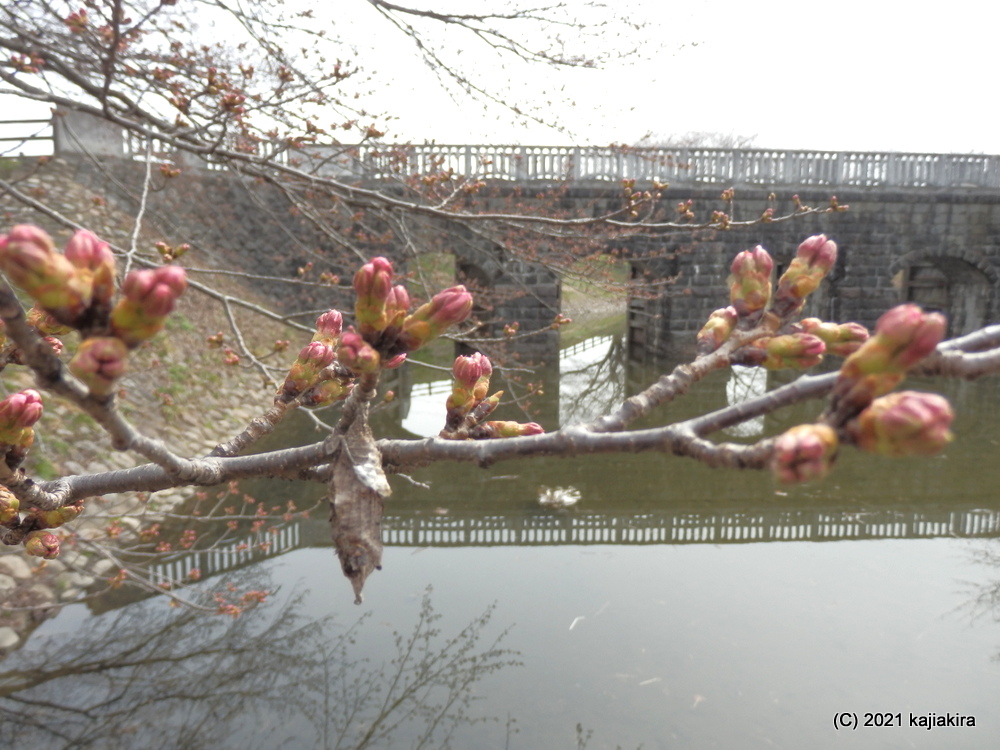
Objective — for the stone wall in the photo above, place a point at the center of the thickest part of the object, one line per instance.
(938, 248)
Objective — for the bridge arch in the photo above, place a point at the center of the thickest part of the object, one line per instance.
(960, 284)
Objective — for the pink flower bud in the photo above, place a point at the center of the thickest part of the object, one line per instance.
(909, 334)
(797, 351)
(395, 361)
(803, 453)
(398, 304)
(903, 336)
(99, 363)
(149, 296)
(305, 371)
(750, 281)
(818, 252)
(469, 369)
(717, 329)
(430, 320)
(53, 519)
(42, 544)
(28, 257)
(90, 254)
(841, 339)
(330, 324)
(373, 285)
(20, 410)
(356, 354)
(814, 260)
(472, 382)
(906, 423)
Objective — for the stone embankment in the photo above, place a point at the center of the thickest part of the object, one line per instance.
(178, 390)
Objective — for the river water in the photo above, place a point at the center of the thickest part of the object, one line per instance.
(672, 606)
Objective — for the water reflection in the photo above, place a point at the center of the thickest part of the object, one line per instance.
(671, 606)
(150, 677)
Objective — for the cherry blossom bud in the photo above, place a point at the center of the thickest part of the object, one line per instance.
(750, 281)
(327, 392)
(472, 382)
(92, 256)
(53, 519)
(328, 327)
(148, 297)
(841, 339)
(803, 453)
(813, 261)
(393, 362)
(903, 336)
(373, 285)
(29, 259)
(717, 329)
(797, 351)
(397, 305)
(906, 423)
(305, 371)
(9, 505)
(356, 354)
(20, 410)
(99, 363)
(42, 544)
(430, 320)
(909, 334)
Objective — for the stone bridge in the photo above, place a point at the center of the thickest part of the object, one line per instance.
(921, 227)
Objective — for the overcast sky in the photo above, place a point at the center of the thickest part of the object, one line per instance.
(845, 75)
(865, 75)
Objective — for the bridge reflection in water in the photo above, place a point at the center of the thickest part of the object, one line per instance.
(670, 527)
(568, 528)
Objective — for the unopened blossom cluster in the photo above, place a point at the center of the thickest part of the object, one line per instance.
(754, 301)
(385, 333)
(468, 405)
(75, 290)
(72, 290)
(860, 412)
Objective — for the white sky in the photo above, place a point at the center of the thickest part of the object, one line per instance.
(848, 75)
(864, 75)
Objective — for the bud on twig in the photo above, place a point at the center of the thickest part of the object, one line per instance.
(803, 453)
(750, 281)
(53, 519)
(99, 362)
(430, 320)
(373, 285)
(356, 354)
(42, 544)
(149, 297)
(907, 423)
(841, 339)
(28, 257)
(305, 371)
(903, 336)
(470, 386)
(93, 258)
(797, 351)
(813, 261)
(717, 329)
(327, 392)
(329, 326)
